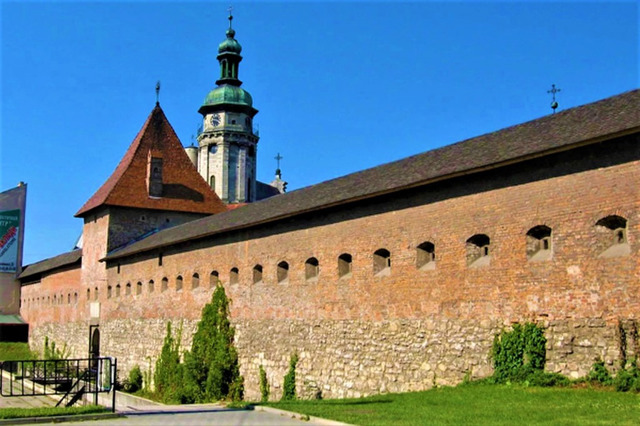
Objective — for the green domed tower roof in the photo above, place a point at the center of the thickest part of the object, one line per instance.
(228, 94)
(230, 44)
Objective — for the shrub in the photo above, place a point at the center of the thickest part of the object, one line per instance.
(635, 371)
(599, 374)
(543, 379)
(236, 389)
(628, 379)
(53, 353)
(134, 381)
(623, 380)
(168, 375)
(264, 386)
(518, 353)
(289, 385)
(146, 382)
(211, 367)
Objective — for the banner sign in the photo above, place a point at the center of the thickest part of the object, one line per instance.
(9, 232)
(12, 209)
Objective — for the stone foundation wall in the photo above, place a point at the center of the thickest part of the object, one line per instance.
(73, 335)
(357, 358)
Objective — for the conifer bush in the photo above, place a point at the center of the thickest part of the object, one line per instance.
(212, 371)
(168, 375)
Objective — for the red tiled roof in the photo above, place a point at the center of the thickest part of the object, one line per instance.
(183, 188)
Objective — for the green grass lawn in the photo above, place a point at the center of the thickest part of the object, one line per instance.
(10, 351)
(479, 404)
(18, 413)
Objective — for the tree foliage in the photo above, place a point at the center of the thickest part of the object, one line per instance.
(135, 381)
(168, 375)
(211, 367)
(264, 386)
(289, 385)
(519, 352)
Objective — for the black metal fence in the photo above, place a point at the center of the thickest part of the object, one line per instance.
(71, 378)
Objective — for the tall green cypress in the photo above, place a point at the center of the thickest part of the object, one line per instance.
(211, 368)
(168, 375)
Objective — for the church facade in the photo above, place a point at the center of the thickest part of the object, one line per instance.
(394, 278)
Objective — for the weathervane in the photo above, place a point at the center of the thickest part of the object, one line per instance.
(553, 92)
(158, 92)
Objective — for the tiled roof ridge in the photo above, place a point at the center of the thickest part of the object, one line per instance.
(579, 125)
(50, 263)
(492, 134)
(102, 194)
(183, 189)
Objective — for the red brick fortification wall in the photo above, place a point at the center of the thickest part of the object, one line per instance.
(57, 299)
(410, 328)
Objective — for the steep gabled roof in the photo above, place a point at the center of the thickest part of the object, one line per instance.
(183, 188)
(605, 119)
(46, 265)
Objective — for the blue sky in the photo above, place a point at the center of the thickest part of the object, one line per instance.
(340, 86)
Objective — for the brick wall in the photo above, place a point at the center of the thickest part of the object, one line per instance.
(57, 297)
(127, 224)
(409, 328)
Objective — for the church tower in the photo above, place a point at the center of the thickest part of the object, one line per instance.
(227, 145)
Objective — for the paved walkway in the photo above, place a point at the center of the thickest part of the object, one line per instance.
(167, 415)
(199, 415)
(24, 401)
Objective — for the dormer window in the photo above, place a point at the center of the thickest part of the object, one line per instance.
(154, 176)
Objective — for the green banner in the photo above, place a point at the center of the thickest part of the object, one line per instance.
(9, 233)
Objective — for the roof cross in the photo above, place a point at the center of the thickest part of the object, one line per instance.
(553, 92)
(278, 158)
(230, 9)
(158, 92)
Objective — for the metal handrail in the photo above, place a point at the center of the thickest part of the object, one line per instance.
(59, 377)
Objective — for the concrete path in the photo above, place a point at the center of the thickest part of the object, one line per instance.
(167, 415)
(25, 401)
(203, 414)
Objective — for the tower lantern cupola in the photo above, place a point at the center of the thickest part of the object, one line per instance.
(229, 58)
(227, 145)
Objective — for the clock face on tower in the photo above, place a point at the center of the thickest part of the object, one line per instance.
(215, 120)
